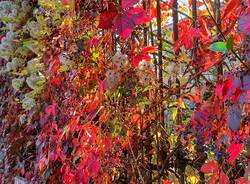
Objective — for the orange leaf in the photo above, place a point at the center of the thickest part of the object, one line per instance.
(149, 49)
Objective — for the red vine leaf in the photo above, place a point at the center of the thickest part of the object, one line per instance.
(229, 7)
(224, 178)
(143, 55)
(210, 167)
(124, 21)
(106, 18)
(234, 151)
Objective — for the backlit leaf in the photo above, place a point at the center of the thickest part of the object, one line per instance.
(219, 47)
(229, 7)
(125, 23)
(234, 150)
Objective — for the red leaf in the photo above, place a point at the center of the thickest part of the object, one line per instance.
(125, 23)
(187, 38)
(65, 2)
(210, 167)
(56, 81)
(107, 143)
(69, 178)
(143, 55)
(208, 59)
(213, 179)
(229, 7)
(166, 182)
(224, 179)
(107, 17)
(234, 151)
(139, 15)
(241, 181)
(152, 152)
(41, 164)
(136, 60)
(95, 166)
(51, 109)
(129, 3)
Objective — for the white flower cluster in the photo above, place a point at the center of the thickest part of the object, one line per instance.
(113, 76)
(146, 72)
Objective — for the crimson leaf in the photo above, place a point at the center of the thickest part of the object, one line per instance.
(107, 17)
(129, 3)
(125, 22)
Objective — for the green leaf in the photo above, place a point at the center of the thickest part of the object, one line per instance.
(218, 47)
(230, 43)
(7, 19)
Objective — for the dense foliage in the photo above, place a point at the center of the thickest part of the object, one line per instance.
(125, 91)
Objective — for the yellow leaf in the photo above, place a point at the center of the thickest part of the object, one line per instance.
(193, 179)
(68, 22)
(174, 113)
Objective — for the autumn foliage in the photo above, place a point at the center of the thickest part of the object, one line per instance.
(120, 91)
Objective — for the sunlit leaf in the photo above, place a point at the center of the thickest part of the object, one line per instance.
(174, 113)
(219, 47)
(234, 150)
